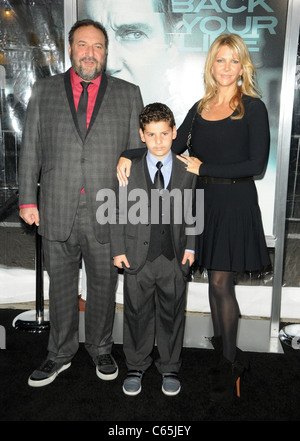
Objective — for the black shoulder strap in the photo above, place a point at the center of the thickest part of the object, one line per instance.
(188, 142)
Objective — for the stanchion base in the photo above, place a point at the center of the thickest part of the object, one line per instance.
(290, 335)
(27, 321)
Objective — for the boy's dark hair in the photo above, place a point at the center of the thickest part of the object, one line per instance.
(88, 22)
(156, 112)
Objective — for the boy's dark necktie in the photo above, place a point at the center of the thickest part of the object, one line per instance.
(158, 178)
(82, 108)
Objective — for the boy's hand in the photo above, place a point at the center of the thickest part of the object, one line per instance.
(119, 260)
(188, 256)
(123, 171)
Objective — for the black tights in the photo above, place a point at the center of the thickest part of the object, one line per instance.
(224, 310)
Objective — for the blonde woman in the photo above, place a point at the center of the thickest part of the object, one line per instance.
(230, 143)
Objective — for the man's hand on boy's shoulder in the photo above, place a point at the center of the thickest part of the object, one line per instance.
(123, 171)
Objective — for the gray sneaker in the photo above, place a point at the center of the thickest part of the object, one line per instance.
(46, 373)
(133, 383)
(106, 367)
(170, 385)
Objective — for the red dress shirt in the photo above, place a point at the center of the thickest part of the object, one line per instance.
(92, 90)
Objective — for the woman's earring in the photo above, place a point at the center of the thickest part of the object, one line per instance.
(240, 81)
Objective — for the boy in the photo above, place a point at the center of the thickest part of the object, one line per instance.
(155, 256)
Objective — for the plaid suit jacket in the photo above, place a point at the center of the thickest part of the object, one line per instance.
(54, 155)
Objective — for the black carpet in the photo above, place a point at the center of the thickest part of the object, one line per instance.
(271, 390)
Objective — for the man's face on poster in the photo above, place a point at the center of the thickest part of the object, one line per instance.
(139, 48)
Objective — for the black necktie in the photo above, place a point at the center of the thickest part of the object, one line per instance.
(82, 108)
(158, 178)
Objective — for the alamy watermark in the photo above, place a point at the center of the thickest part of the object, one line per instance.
(164, 206)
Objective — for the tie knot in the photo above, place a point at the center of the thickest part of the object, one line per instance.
(84, 84)
(159, 165)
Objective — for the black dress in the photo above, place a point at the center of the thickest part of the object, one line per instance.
(233, 238)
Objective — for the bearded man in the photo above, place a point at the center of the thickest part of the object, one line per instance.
(72, 139)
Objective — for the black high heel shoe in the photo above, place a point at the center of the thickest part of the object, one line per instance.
(226, 381)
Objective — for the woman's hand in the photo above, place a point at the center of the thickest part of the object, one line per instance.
(123, 171)
(192, 164)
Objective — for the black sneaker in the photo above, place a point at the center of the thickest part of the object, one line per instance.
(46, 373)
(171, 385)
(106, 367)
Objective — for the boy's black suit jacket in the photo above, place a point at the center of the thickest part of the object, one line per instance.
(133, 239)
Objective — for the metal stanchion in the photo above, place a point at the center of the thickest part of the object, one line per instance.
(35, 321)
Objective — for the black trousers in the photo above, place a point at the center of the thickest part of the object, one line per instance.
(154, 308)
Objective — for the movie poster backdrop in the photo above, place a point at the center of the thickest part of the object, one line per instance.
(161, 45)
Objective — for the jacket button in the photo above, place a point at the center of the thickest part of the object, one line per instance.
(145, 243)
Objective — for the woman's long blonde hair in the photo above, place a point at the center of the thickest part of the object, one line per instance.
(248, 87)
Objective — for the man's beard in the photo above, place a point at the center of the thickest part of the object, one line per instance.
(87, 75)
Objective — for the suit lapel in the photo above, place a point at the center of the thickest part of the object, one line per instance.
(178, 172)
(99, 99)
(140, 165)
(69, 92)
